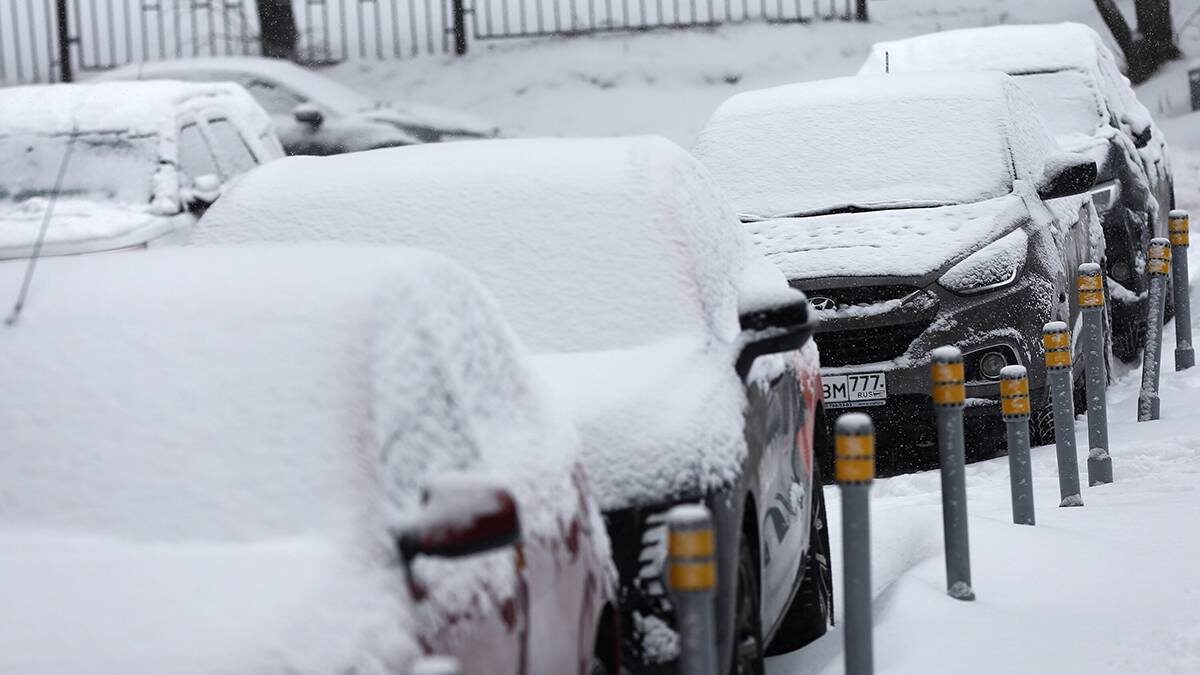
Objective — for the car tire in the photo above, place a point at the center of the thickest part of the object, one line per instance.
(748, 649)
(811, 611)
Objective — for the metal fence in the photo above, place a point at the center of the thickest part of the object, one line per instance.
(108, 33)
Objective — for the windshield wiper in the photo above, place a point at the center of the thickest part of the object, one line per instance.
(847, 208)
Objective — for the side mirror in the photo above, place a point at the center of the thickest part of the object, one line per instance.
(461, 517)
(1067, 175)
(307, 113)
(775, 329)
(205, 190)
(1142, 138)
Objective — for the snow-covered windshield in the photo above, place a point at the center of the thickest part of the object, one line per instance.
(110, 167)
(1067, 100)
(817, 158)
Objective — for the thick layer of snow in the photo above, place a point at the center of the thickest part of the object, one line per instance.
(837, 245)
(587, 244)
(873, 142)
(996, 263)
(209, 421)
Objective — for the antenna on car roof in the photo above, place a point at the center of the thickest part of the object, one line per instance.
(41, 238)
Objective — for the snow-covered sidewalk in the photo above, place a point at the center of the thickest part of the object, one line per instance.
(1108, 588)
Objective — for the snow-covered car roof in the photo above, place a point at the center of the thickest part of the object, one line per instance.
(872, 142)
(260, 402)
(1013, 49)
(568, 233)
(135, 108)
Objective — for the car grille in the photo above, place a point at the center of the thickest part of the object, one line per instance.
(867, 345)
(859, 295)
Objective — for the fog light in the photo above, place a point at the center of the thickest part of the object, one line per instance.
(991, 364)
(1119, 271)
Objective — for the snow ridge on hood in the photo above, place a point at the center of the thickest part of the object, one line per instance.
(899, 242)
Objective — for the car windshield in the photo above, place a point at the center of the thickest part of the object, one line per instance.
(109, 167)
(1067, 100)
(873, 154)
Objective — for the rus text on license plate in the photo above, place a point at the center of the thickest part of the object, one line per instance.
(861, 389)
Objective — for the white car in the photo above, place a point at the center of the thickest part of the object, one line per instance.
(314, 114)
(1091, 108)
(261, 460)
(120, 165)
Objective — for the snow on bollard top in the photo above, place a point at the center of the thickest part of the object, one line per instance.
(436, 665)
(946, 354)
(1013, 373)
(1089, 268)
(1178, 214)
(689, 516)
(1055, 327)
(855, 424)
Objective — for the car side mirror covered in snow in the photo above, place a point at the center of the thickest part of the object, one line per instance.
(771, 330)
(1142, 138)
(461, 517)
(204, 191)
(1067, 175)
(309, 114)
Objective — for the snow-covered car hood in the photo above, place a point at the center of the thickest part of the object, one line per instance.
(896, 242)
(444, 121)
(659, 421)
(83, 604)
(80, 226)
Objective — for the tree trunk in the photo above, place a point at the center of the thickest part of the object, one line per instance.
(1116, 25)
(277, 29)
(1156, 32)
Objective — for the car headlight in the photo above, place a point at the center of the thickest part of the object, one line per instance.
(994, 266)
(1105, 196)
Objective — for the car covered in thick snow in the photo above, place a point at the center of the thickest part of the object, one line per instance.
(1088, 104)
(266, 460)
(915, 211)
(120, 165)
(683, 354)
(314, 114)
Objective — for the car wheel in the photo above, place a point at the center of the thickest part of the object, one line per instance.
(747, 620)
(811, 611)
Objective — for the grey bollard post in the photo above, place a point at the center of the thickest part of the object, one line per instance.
(855, 469)
(436, 665)
(692, 578)
(1057, 341)
(1014, 404)
(949, 398)
(1185, 356)
(1091, 302)
(1159, 266)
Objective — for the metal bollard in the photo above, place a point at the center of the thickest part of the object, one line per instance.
(692, 578)
(949, 397)
(1057, 341)
(1159, 266)
(1185, 356)
(855, 469)
(1091, 302)
(436, 665)
(1014, 404)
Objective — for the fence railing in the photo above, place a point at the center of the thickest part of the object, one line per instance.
(104, 34)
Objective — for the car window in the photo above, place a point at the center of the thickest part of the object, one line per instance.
(195, 156)
(275, 99)
(235, 155)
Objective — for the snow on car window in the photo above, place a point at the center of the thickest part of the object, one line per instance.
(195, 156)
(1067, 100)
(236, 157)
(111, 167)
(587, 244)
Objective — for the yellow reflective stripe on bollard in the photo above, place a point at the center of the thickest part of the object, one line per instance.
(948, 372)
(1058, 358)
(691, 544)
(692, 576)
(948, 383)
(855, 458)
(1178, 228)
(1014, 387)
(1058, 340)
(1014, 397)
(1160, 259)
(1091, 298)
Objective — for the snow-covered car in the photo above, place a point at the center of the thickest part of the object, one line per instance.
(120, 165)
(1088, 104)
(265, 460)
(915, 211)
(314, 114)
(683, 353)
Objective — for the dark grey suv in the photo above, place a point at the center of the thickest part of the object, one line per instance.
(916, 211)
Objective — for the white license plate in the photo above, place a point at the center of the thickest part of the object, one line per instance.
(862, 389)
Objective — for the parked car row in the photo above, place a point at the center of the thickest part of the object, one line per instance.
(438, 399)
